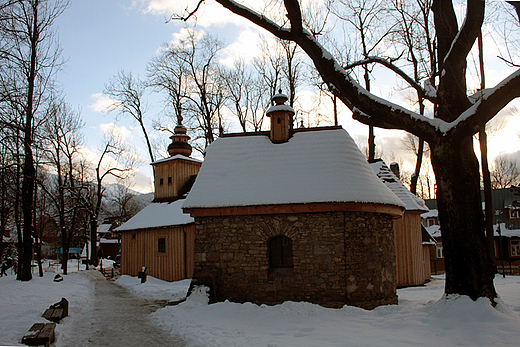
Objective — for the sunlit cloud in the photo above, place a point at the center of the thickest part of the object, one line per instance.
(208, 14)
(121, 131)
(245, 47)
(100, 103)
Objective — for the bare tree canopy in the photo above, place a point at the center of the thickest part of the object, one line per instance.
(127, 92)
(504, 173)
(29, 58)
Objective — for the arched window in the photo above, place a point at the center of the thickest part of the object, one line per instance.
(280, 252)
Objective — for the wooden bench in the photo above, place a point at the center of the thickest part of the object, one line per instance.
(57, 311)
(40, 334)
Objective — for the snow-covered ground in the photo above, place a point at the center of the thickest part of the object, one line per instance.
(423, 317)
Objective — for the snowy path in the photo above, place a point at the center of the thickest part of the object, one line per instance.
(116, 318)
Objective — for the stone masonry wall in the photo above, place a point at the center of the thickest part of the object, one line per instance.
(339, 258)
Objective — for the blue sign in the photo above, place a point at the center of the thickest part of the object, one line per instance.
(72, 250)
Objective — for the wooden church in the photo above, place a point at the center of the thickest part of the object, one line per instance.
(293, 214)
(285, 214)
(161, 237)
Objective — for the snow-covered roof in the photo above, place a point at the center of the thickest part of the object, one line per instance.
(104, 228)
(412, 202)
(158, 215)
(506, 232)
(434, 230)
(430, 214)
(177, 156)
(313, 166)
(105, 240)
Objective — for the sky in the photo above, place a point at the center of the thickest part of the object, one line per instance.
(99, 38)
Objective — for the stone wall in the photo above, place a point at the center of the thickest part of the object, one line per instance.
(339, 258)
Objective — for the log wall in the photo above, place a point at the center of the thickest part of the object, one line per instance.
(140, 248)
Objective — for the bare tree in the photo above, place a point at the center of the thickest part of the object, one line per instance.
(128, 92)
(29, 59)
(115, 160)
(189, 72)
(124, 203)
(504, 173)
(61, 145)
(166, 72)
(245, 95)
(469, 266)
(365, 16)
(415, 33)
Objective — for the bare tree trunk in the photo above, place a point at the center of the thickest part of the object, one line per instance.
(486, 175)
(418, 164)
(29, 172)
(469, 267)
(420, 153)
(37, 237)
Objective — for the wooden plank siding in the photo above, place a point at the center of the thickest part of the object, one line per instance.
(140, 248)
(174, 174)
(427, 249)
(409, 250)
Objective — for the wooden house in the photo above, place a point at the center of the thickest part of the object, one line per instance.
(412, 256)
(507, 249)
(161, 237)
(506, 226)
(293, 214)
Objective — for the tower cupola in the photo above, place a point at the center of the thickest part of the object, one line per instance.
(281, 116)
(179, 143)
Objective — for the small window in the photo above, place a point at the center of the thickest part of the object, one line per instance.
(133, 236)
(280, 252)
(161, 245)
(515, 248)
(169, 180)
(514, 214)
(161, 181)
(278, 120)
(440, 253)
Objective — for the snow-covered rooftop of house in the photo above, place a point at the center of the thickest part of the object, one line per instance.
(157, 215)
(313, 166)
(430, 214)
(506, 232)
(177, 156)
(434, 230)
(104, 228)
(105, 240)
(412, 202)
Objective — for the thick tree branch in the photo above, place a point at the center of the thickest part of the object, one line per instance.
(490, 102)
(388, 64)
(258, 19)
(295, 15)
(467, 35)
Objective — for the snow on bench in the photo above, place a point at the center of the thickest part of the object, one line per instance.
(57, 311)
(40, 334)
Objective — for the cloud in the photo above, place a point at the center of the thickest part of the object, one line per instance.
(209, 13)
(101, 102)
(184, 35)
(142, 181)
(244, 47)
(121, 131)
